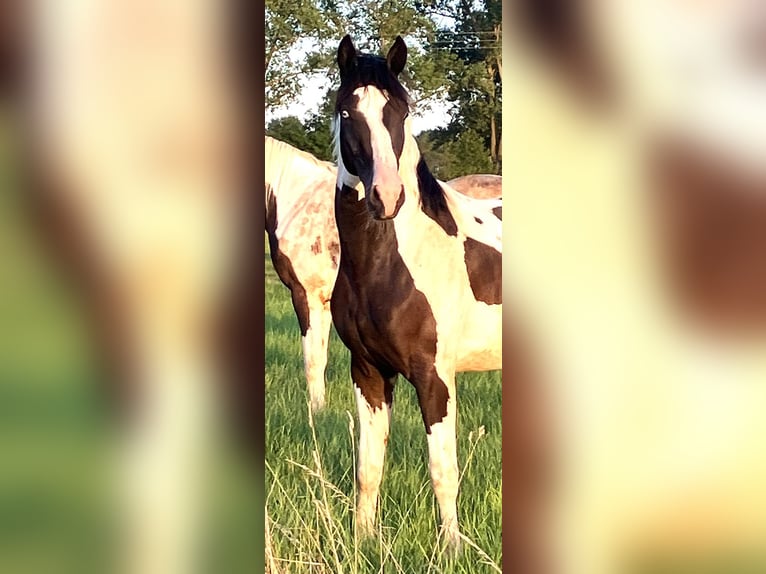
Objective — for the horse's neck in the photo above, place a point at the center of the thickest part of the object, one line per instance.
(274, 169)
(366, 243)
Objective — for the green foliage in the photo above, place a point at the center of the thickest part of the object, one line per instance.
(294, 35)
(454, 54)
(475, 82)
(313, 135)
(466, 154)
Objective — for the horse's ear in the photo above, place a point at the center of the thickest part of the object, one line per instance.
(397, 56)
(346, 56)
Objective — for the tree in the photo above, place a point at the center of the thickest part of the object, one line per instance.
(454, 52)
(475, 82)
(290, 130)
(374, 26)
(302, 39)
(311, 136)
(295, 44)
(464, 155)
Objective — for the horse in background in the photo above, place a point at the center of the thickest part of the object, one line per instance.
(305, 249)
(479, 185)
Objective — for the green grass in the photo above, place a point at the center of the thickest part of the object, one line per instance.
(310, 477)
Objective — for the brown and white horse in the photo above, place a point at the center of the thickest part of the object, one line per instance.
(303, 236)
(419, 286)
(300, 222)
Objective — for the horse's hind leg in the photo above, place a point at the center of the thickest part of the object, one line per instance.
(438, 407)
(315, 350)
(374, 398)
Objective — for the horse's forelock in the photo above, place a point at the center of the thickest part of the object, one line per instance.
(372, 71)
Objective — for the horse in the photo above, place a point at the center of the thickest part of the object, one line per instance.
(142, 195)
(303, 237)
(418, 291)
(639, 263)
(305, 250)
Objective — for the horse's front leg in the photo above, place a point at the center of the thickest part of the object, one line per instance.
(374, 399)
(438, 406)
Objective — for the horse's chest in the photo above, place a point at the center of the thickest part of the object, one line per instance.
(436, 263)
(381, 313)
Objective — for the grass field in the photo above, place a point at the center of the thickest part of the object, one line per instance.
(310, 477)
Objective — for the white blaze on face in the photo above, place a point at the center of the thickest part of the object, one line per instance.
(385, 171)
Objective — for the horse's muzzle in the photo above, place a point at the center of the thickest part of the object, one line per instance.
(385, 202)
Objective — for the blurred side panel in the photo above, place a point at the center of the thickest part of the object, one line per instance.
(131, 323)
(634, 255)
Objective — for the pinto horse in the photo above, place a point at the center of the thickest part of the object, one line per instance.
(303, 237)
(419, 285)
(305, 250)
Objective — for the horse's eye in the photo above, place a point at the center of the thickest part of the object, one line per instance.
(344, 114)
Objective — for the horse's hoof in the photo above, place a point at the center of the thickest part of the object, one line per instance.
(365, 529)
(452, 543)
(365, 523)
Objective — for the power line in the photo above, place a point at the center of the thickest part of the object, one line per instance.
(464, 46)
(466, 33)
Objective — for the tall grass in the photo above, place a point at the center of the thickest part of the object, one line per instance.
(310, 461)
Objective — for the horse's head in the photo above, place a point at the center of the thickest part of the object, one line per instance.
(371, 109)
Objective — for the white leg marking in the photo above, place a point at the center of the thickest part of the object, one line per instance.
(315, 352)
(442, 464)
(373, 438)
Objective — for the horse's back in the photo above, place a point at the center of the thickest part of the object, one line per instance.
(479, 185)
